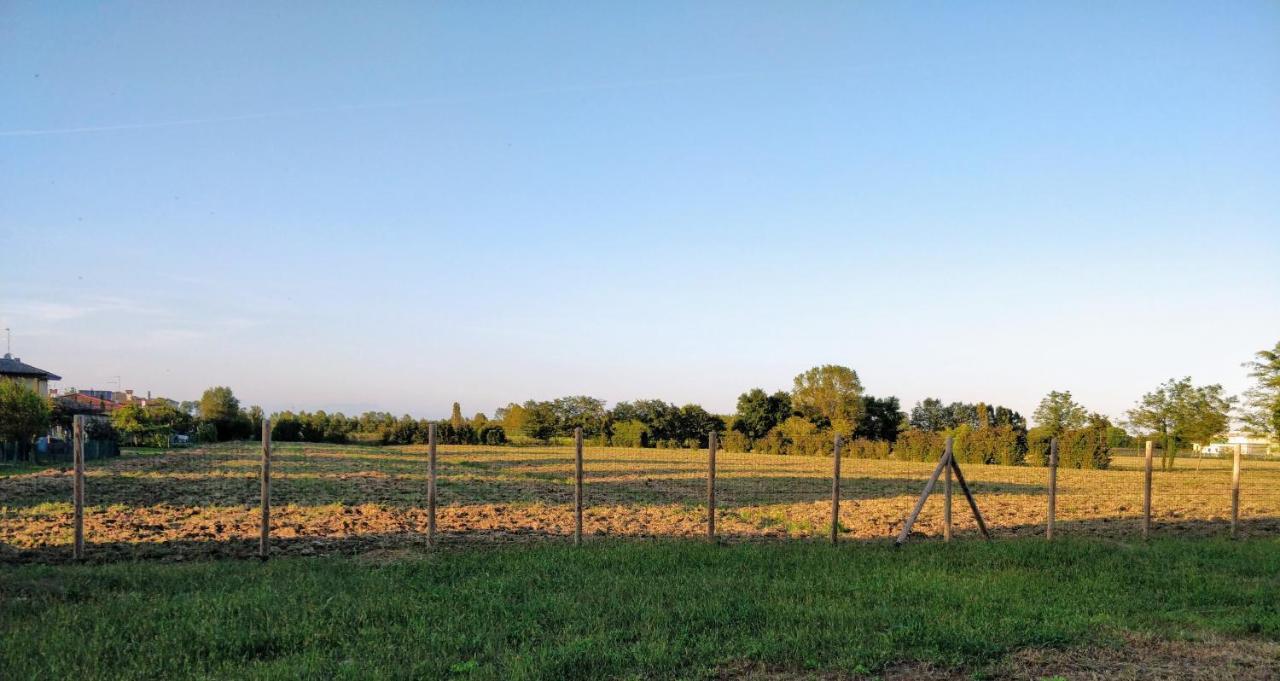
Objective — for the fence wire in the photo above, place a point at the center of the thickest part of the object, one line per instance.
(205, 501)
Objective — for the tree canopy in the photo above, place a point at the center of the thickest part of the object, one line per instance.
(1058, 413)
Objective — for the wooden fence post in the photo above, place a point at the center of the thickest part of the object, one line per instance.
(1146, 494)
(1235, 491)
(1053, 488)
(835, 493)
(431, 484)
(946, 494)
(77, 549)
(711, 486)
(577, 486)
(264, 539)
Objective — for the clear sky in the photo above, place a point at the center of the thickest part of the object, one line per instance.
(396, 206)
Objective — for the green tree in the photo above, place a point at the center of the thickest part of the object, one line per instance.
(881, 418)
(931, 415)
(1261, 411)
(219, 407)
(455, 419)
(540, 420)
(1058, 413)
(1180, 412)
(829, 395)
(758, 412)
(24, 414)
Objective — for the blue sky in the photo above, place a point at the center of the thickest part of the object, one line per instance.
(395, 206)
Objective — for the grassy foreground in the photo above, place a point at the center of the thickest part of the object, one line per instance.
(624, 608)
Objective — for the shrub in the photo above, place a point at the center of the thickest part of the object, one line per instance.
(918, 445)
(630, 434)
(865, 449)
(492, 434)
(734, 441)
(206, 432)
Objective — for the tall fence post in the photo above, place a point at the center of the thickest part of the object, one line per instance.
(577, 486)
(1053, 488)
(1146, 493)
(1235, 490)
(77, 550)
(431, 484)
(711, 486)
(264, 539)
(835, 493)
(946, 494)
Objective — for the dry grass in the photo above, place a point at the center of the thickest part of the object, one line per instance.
(331, 498)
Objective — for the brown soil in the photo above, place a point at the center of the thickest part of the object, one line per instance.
(348, 499)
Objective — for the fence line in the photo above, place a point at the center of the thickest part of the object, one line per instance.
(780, 495)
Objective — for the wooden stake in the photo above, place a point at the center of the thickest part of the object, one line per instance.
(577, 486)
(1053, 488)
(946, 489)
(835, 493)
(1235, 491)
(1146, 494)
(973, 504)
(77, 492)
(431, 484)
(711, 486)
(264, 539)
(924, 496)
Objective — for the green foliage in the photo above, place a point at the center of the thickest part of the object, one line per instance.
(829, 396)
(219, 406)
(1058, 412)
(1182, 413)
(881, 419)
(24, 414)
(919, 445)
(1087, 447)
(630, 433)
(758, 412)
(1261, 411)
(150, 426)
(1001, 445)
(734, 441)
(862, 448)
(206, 433)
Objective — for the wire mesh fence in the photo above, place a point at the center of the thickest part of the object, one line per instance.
(208, 501)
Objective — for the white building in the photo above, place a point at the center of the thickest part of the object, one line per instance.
(1250, 445)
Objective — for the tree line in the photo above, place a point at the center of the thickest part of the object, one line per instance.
(821, 403)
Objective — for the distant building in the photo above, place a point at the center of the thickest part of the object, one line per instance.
(13, 369)
(85, 403)
(1250, 445)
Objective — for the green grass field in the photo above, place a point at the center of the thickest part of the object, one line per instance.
(647, 609)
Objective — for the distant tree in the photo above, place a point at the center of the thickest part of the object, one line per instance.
(1058, 413)
(24, 414)
(829, 395)
(881, 419)
(479, 420)
(455, 419)
(577, 411)
(219, 407)
(511, 417)
(254, 415)
(1261, 411)
(540, 421)
(931, 415)
(1182, 413)
(758, 412)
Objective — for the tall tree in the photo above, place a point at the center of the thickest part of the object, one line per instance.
(881, 418)
(931, 415)
(758, 412)
(829, 395)
(1182, 413)
(1058, 413)
(455, 419)
(1261, 411)
(219, 406)
(24, 414)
